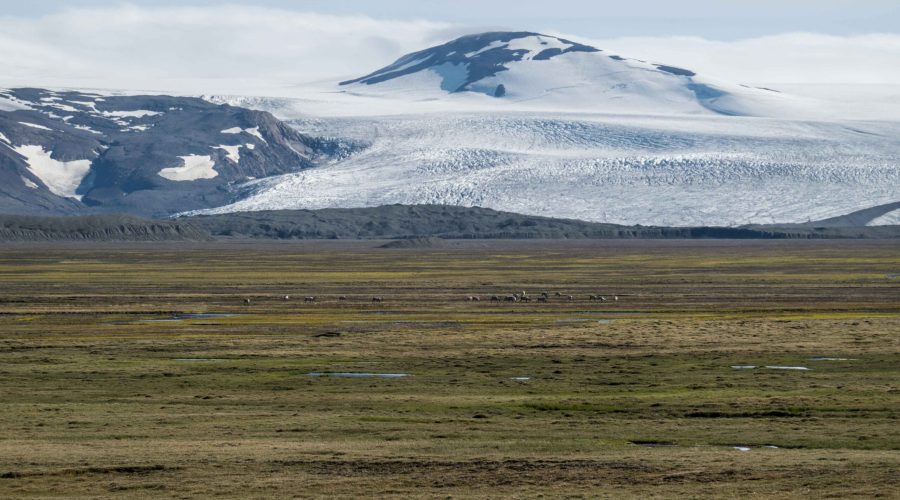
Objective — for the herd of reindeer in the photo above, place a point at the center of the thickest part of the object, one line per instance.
(515, 297)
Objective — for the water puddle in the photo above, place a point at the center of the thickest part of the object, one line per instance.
(744, 367)
(357, 374)
(182, 317)
(653, 444)
(748, 448)
(520, 379)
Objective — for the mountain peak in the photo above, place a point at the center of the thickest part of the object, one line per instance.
(468, 59)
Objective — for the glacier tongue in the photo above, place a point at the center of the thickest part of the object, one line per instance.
(628, 169)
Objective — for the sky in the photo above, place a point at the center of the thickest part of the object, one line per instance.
(262, 46)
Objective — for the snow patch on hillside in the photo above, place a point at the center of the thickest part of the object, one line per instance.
(195, 167)
(231, 152)
(34, 125)
(254, 131)
(140, 113)
(62, 178)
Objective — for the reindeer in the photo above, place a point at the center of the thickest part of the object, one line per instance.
(495, 298)
(472, 298)
(570, 298)
(543, 299)
(558, 294)
(309, 299)
(377, 299)
(525, 299)
(342, 298)
(511, 298)
(286, 297)
(545, 295)
(246, 302)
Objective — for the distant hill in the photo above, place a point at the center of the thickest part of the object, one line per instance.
(452, 222)
(527, 66)
(77, 153)
(21, 228)
(410, 226)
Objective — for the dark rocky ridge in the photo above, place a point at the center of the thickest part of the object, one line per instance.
(411, 226)
(450, 222)
(110, 227)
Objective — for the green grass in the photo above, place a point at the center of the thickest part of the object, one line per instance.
(97, 404)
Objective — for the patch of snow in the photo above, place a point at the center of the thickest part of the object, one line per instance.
(140, 113)
(88, 129)
(32, 125)
(742, 448)
(65, 107)
(231, 152)
(410, 64)
(537, 44)
(195, 167)
(28, 183)
(10, 103)
(88, 104)
(496, 44)
(3, 138)
(889, 219)
(533, 45)
(62, 178)
(778, 367)
(139, 128)
(254, 131)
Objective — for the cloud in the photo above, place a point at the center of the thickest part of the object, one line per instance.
(787, 58)
(263, 50)
(185, 47)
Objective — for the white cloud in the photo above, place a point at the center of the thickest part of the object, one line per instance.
(234, 49)
(787, 58)
(193, 48)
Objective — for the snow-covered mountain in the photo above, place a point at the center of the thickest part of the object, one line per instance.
(518, 122)
(534, 124)
(74, 152)
(549, 72)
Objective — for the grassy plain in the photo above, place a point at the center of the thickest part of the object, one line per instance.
(634, 398)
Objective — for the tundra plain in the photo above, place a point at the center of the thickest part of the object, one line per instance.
(139, 370)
